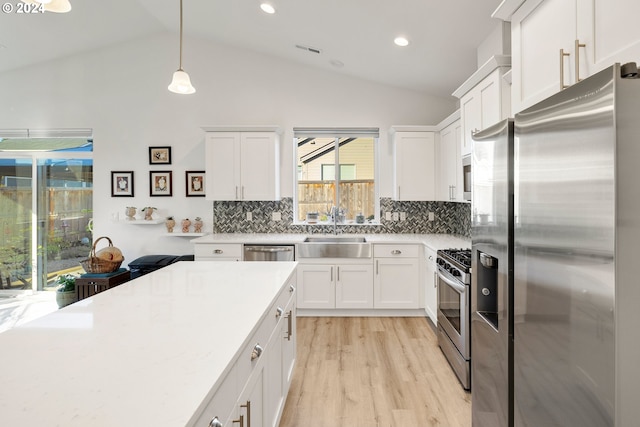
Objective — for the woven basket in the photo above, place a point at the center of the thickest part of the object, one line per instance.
(93, 264)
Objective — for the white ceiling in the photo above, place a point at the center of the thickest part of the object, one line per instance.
(444, 34)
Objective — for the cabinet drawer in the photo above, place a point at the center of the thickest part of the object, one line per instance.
(223, 401)
(218, 251)
(396, 251)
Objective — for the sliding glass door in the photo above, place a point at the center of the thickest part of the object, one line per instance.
(46, 217)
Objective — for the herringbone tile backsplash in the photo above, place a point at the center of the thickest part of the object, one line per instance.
(449, 218)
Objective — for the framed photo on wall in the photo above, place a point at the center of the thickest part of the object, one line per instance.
(122, 184)
(160, 183)
(159, 155)
(195, 183)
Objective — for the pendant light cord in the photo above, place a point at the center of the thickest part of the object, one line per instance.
(180, 36)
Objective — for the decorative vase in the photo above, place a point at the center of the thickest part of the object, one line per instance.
(170, 223)
(130, 212)
(185, 225)
(65, 298)
(148, 213)
(197, 225)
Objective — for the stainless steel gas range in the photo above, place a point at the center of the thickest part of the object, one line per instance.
(454, 313)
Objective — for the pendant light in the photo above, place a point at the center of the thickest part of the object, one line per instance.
(181, 83)
(58, 6)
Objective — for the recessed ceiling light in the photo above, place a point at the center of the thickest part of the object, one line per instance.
(268, 8)
(401, 41)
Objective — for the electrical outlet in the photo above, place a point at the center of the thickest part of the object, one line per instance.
(403, 216)
(431, 216)
(387, 216)
(276, 216)
(249, 216)
(395, 216)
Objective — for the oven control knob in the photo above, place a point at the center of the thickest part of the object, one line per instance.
(486, 292)
(455, 272)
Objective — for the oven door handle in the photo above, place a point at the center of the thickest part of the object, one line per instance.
(456, 286)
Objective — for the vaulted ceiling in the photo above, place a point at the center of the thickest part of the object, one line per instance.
(353, 37)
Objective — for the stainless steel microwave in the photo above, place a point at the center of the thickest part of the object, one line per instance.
(466, 177)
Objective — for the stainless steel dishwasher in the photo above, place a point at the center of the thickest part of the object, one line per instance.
(269, 252)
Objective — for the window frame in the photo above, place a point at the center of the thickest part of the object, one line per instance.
(337, 133)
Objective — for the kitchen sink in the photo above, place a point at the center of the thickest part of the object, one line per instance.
(334, 247)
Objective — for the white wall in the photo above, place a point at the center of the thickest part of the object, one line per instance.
(121, 93)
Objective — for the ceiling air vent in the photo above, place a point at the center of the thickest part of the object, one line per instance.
(308, 48)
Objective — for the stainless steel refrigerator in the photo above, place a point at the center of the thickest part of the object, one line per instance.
(491, 277)
(576, 297)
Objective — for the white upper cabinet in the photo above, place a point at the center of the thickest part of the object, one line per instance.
(242, 165)
(556, 43)
(542, 32)
(414, 166)
(608, 29)
(484, 100)
(449, 165)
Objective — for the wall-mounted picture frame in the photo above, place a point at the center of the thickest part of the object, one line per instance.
(160, 184)
(159, 155)
(122, 184)
(194, 181)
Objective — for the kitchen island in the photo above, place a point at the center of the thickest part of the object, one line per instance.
(151, 352)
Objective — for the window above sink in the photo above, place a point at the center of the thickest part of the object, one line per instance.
(336, 167)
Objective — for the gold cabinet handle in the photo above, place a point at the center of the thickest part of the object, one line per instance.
(256, 352)
(289, 325)
(562, 55)
(577, 55)
(215, 422)
(248, 407)
(239, 420)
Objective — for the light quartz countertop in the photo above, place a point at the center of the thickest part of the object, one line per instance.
(434, 241)
(145, 353)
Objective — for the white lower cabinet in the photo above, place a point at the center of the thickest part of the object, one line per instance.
(255, 389)
(397, 276)
(353, 286)
(335, 285)
(431, 286)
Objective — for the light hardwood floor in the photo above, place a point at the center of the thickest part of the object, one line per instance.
(373, 372)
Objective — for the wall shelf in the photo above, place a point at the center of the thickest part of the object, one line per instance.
(142, 221)
(180, 234)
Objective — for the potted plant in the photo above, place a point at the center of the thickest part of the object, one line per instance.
(170, 223)
(148, 212)
(66, 291)
(197, 225)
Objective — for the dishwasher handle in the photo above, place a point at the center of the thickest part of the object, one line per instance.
(268, 249)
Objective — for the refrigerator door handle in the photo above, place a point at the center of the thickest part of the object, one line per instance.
(456, 286)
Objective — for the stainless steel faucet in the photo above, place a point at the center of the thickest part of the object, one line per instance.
(335, 212)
